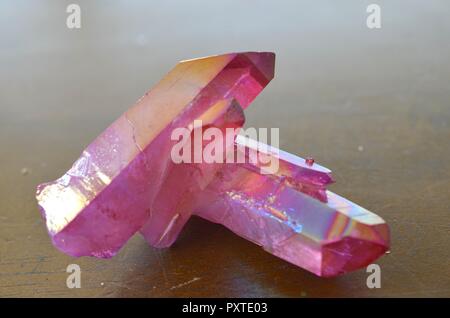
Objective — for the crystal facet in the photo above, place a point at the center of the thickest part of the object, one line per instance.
(125, 181)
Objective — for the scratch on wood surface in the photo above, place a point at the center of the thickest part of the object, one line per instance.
(185, 283)
(161, 264)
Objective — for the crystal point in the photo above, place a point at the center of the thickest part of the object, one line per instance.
(109, 192)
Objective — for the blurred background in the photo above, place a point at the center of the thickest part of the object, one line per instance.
(373, 105)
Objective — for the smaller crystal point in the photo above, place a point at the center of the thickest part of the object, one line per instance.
(294, 217)
(177, 198)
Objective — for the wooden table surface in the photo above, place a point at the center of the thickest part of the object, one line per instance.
(372, 105)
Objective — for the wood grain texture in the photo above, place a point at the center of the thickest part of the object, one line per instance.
(373, 106)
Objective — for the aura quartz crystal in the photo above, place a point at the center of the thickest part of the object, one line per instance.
(126, 180)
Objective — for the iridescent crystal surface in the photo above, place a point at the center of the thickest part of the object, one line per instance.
(126, 181)
(292, 215)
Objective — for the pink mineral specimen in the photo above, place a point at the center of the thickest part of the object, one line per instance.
(126, 180)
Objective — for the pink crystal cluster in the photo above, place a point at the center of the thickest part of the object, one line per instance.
(125, 181)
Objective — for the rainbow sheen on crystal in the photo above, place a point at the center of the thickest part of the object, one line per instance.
(300, 222)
